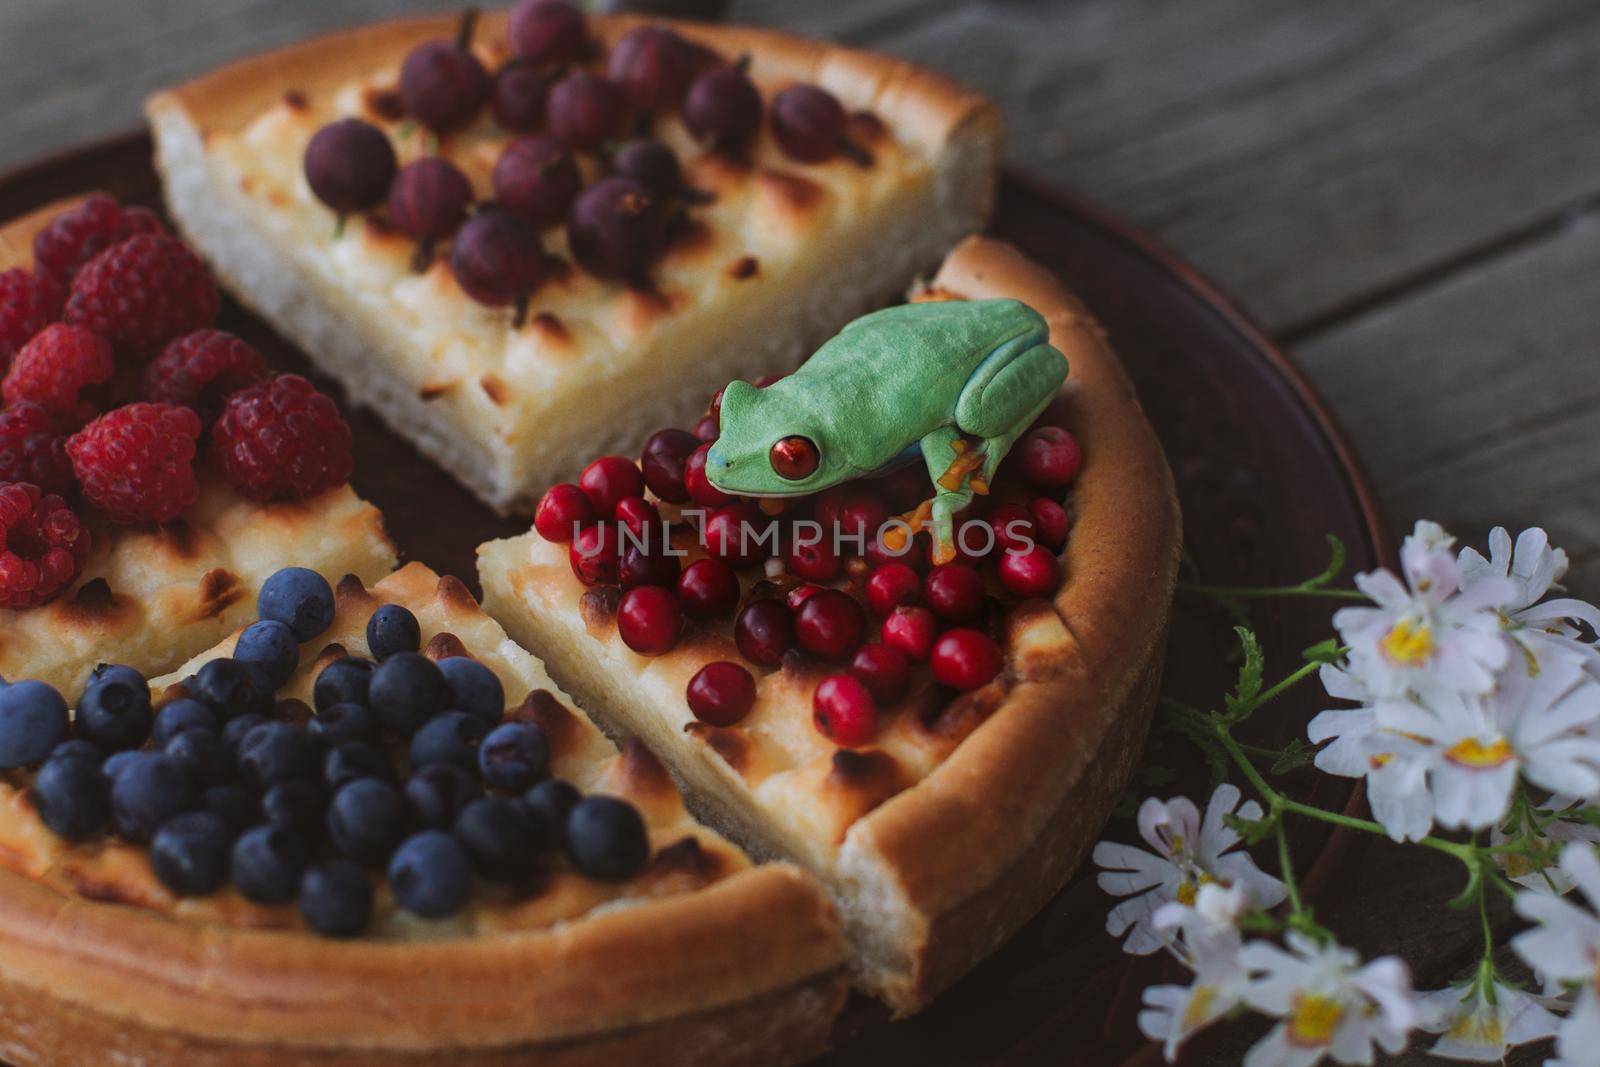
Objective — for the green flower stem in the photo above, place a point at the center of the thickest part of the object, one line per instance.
(1266, 592)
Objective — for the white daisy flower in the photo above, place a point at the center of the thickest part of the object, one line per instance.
(1330, 1004)
(1533, 567)
(1540, 871)
(1476, 1027)
(1578, 1040)
(1394, 765)
(1187, 854)
(1208, 943)
(1565, 945)
(1426, 633)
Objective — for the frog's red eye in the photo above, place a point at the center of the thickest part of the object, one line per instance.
(795, 458)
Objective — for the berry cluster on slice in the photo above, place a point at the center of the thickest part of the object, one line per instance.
(113, 382)
(814, 577)
(581, 155)
(408, 765)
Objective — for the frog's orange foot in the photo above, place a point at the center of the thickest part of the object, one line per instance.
(899, 534)
(967, 460)
(943, 552)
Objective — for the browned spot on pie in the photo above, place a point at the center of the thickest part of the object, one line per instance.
(380, 230)
(557, 721)
(599, 608)
(95, 604)
(219, 589)
(689, 236)
(351, 592)
(743, 268)
(444, 646)
(434, 390)
(180, 539)
(641, 770)
(684, 864)
(859, 781)
(732, 745)
(295, 100)
(106, 892)
(951, 723)
(496, 390)
(247, 184)
(803, 668)
(551, 330)
(383, 103)
(793, 191)
(453, 594)
(329, 653)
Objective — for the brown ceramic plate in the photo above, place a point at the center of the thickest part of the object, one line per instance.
(1264, 475)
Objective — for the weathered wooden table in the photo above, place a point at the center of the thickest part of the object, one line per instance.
(1403, 195)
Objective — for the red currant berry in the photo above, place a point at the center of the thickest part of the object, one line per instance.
(892, 585)
(595, 555)
(708, 429)
(1013, 527)
(708, 588)
(764, 631)
(954, 591)
(497, 258)
(518, 98)
(699, 487)
(884, 670)
(653, 66)
(1032, 572)
(721, 693)
(444, 86)
(642, 518)
(561, 510)
(912, 630)
(647, 566)
(1050, 457)
(608, 480)
(429, 198)
(733, 533)
(830, 625)
(617, 228)
(861, 515)
(546, 31)
(584, 110)
(538, 179)
(965, 659)
(349, 165)
(648, 620)
(1051, 521)
(662, 463)
(843, 711)
(807, 122)
(723, 107)
(800, 594)
(813, 561)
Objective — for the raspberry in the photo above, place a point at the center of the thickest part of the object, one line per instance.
(201, 371)
(282, 438)
(42, 545)
(136, 463)
(31, 450)
(55, 368)
(143, 293)
(28, 303)
(75, 237)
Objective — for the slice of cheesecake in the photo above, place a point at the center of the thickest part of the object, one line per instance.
(764, 258)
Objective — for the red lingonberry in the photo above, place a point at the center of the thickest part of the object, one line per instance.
(954, 591)
(891, 585)
(698, 486)
(1013, 527)
(965, 659)
(1051, 521)
(561, 511)
(608, 480)
(648, 620)
(136, 463)
(32, 449)
(596, 554)
(764, 631)
(201, 370)
(707, 429)
(721, 693)
(42, 545)
(1033, 572)
(884, 670)
(647, 566)
(800, 594)
(55, 368)
(733, 533)
(707, 588)
(912, 630)
(815, 561)
(1050, 457)
(662, 463)
(843, 711)
(75, 237)
(142, 293)
(29, 302)
(642, 518)
(830, 625)
(282, 438)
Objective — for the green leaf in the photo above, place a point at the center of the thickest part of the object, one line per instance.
(1337, 556)
(1295, 754)
(1241, 701)
(1252, 830)
(1329, 651)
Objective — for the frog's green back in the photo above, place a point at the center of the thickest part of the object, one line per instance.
(938, 340)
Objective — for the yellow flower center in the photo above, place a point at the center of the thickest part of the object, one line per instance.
(1314, 1019)
(1408, 643)
(1479, 1028)
(1378, 760)
(1200, 998)
(1470, 752)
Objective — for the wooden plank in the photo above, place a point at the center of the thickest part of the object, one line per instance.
(1306, 155)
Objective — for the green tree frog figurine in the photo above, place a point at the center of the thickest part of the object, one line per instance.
(917, 378)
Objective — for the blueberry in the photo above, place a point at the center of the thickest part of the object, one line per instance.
(118, 762)
(190, 853)
(339, 723)
(300, 598)
(276, 752)
(33, 720)
(473, 688)
(299, 805)
(449, 737)
(549, 802)
(366, 820)
(114, 710)
(267, 864)
(236, 730)
(430, 874)
(336, 900)
(355, 759)
(606, 838)
(270, 645)
(513, 757)
(231, 688)
(72, 796)
(437, 791)
(393, 629)
(203, 755)
(232, 804)
(407, 689)
(181, 715)
(504, 843)
(151, 789)
(344, 681)
(113, 672)
(78, 749)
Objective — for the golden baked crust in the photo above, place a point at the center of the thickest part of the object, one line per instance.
(94, 949)
(783, 255)
(151, 596)
(961, 819)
